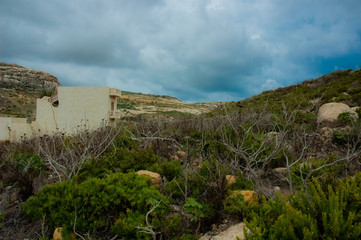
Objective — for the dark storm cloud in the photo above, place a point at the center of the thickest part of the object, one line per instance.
(194, 50)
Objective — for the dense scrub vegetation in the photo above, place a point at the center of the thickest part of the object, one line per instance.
(87, 183)
(317, 212)
(339, 86)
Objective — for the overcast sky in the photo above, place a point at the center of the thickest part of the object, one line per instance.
(196, 50)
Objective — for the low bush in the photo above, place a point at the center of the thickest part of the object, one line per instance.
(344, 138)
(130, 159)
(117, 204)
(235, 205)
(346, 117)
(329, 170)
(197, 210)
(170, 169)
(21, 169)
(241, 183)
(312, 214)
(305, 118)
(2, 217)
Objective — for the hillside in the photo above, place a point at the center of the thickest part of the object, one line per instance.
(267, 161)
(20, 87)
(134, 104)
(339, 86)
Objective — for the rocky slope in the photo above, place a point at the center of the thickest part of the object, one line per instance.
(16, 77)
(133, 104)
(20, 87)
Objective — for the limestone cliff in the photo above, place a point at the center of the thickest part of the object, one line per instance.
(16, 77)
(20, 87)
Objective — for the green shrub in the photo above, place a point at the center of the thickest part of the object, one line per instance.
(29, 163)
(303, 172)
(168, 168)
(2, 217)
(174, 189)
(130, 159)
(306, 118)
(345, 117)
(121, 160)
(208, 183)
(196, 210)
(22, 169)
(343, 138)
(127, 223)
(241, 183)
(311, 214)
(95, 204)
(235, 204)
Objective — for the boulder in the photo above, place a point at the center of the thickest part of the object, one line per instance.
(57, 233)
(329, 112)
(230, 179)
(155, 177)
(230, 234)
(276, 189)
(249, 196)
(181, 154)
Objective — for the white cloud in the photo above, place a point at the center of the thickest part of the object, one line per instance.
(192, 49)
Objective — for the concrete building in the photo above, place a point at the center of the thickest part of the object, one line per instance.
(70, 110)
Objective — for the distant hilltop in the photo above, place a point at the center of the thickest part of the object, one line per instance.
(20, 87)
(13, 76)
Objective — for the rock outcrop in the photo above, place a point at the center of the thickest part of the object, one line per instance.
(329, 112)
(16, 77)
(155, 177)
(57, 235)
(230, 179)
(230, 234)
(249, 196)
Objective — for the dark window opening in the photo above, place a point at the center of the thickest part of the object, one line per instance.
(55, 103)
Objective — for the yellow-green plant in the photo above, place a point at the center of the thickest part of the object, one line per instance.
(313, 214)
(98, 205)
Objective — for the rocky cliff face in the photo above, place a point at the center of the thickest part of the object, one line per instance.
(20, 87)
(16, 77)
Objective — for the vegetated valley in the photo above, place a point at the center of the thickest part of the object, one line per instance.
(270, 161)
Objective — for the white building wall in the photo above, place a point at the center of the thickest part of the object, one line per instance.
(82, 107)
(12, 129)
(46, 116)
(78, 108)
(4, 128)
(20, 129)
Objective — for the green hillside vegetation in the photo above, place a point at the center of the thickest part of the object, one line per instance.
(267, 141)
(339, 86)
(19, 103)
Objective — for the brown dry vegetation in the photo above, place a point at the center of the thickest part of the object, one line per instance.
(251, 139)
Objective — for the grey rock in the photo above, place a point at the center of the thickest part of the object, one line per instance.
(16, 77)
